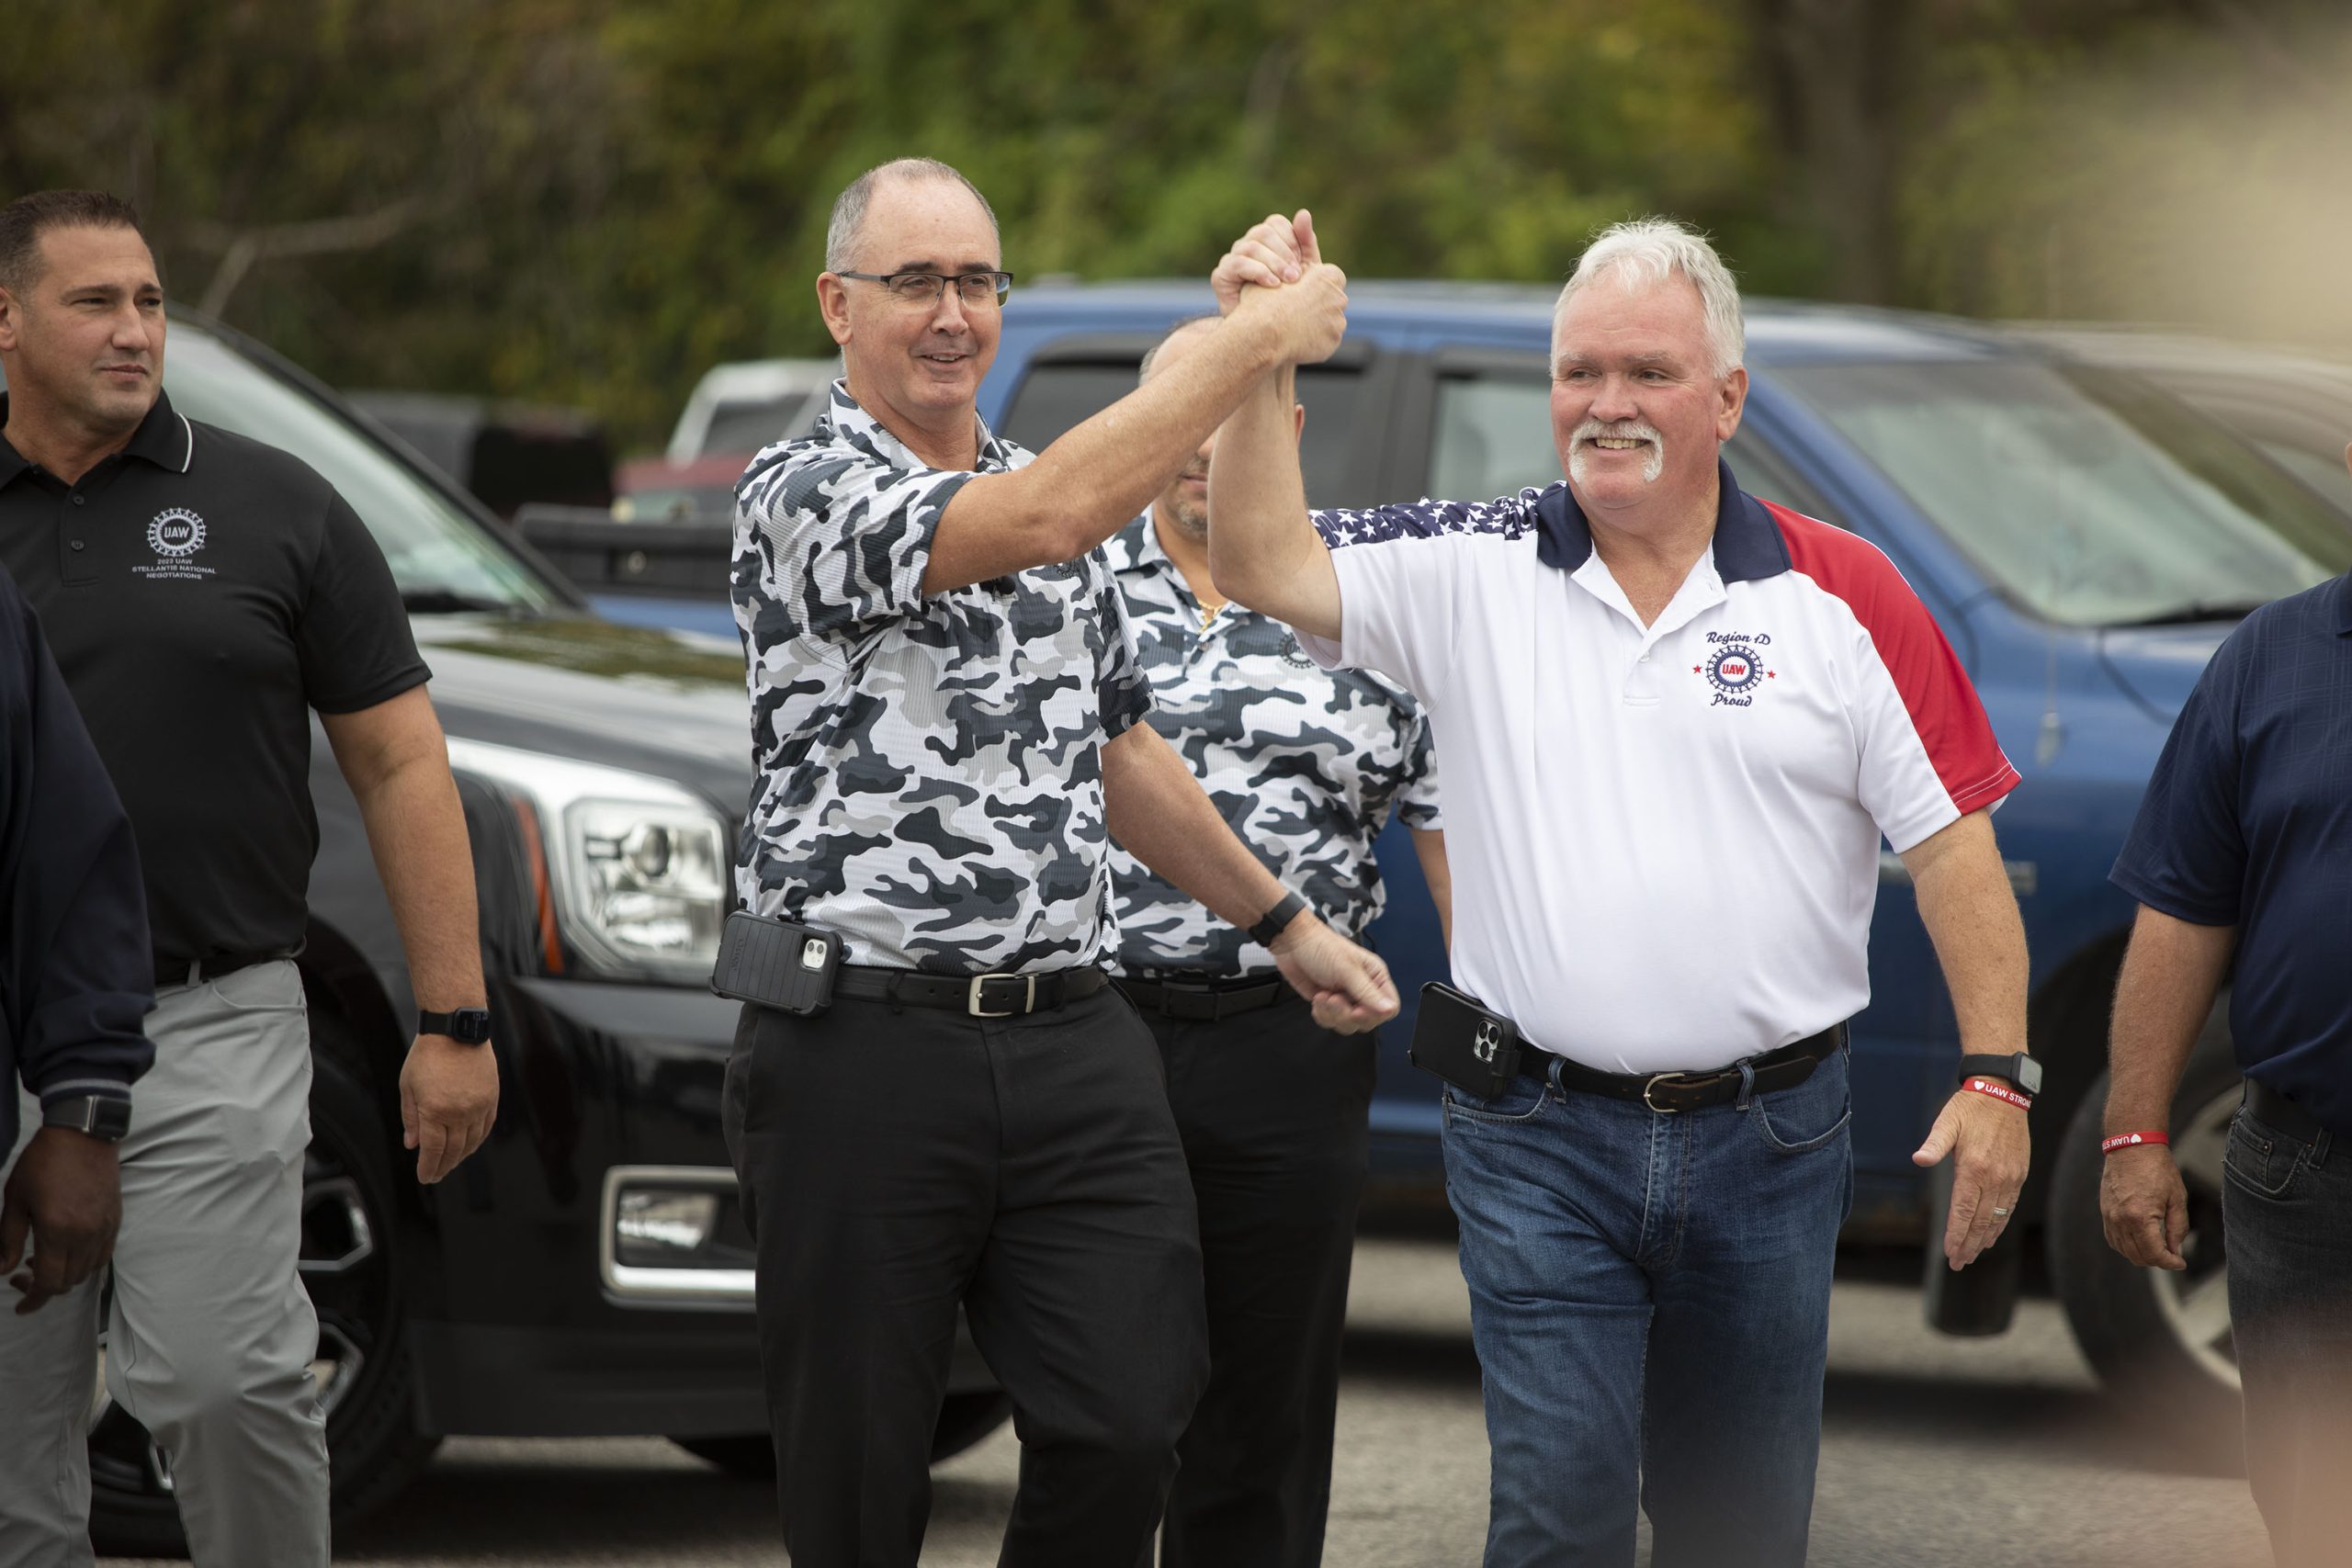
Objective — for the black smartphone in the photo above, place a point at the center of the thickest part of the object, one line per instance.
(777, 964)
(1464, 1042)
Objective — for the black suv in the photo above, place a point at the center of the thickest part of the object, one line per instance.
(587, 1272)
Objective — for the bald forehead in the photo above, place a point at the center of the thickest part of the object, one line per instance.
(1177, 345)
(926, 224)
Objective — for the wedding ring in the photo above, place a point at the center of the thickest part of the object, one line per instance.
(1999, 1210)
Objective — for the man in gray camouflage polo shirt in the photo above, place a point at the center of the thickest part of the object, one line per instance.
(944, 694)
(1304, 764)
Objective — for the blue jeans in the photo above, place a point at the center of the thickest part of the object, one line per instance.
(1649, 1294)
(2286, 1213)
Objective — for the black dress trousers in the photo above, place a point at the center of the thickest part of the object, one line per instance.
(896, 1162)
(1272, 1108)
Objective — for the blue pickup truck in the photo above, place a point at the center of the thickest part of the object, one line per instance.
(2084, 541)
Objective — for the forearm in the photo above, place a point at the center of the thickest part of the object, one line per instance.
(1971, 917)
(2171, 971)
(417, 831)
(1102, 473)
(1263, 549)
(1159, 815)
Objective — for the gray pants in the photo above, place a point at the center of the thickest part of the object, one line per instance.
(210, 1338)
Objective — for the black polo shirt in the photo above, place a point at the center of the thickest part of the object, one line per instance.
(200, 591)
(2248, 822)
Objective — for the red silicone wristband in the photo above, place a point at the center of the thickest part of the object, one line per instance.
(2130, 1140)
(2000, 1091)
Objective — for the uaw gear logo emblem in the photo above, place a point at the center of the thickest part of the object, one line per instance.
(177, 533)
(1734, 667)
(1489, 1042)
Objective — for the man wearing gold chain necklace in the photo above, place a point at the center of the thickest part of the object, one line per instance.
(1306, 765)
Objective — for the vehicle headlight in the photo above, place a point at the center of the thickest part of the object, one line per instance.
(638, 866)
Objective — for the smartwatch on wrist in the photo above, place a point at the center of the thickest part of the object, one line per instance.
(1276, 921)
(106, 1116)
(2021, 1070)
(467, 1026)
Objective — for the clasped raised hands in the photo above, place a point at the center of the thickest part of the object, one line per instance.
(1275, 273)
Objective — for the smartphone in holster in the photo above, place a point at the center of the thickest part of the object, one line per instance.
(1464, 1042)
(777, 964)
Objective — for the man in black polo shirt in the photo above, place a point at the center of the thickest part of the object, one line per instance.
(203, 593)
(2244, 846)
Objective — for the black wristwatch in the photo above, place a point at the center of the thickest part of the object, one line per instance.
(2022, 1071)
(106, 1116)
(1276, 921)
(467, 1026)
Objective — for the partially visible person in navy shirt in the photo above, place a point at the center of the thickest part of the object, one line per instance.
(73, 979)
(2244, 846)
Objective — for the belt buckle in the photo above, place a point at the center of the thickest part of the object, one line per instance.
(1655, 1080)
(972, 996)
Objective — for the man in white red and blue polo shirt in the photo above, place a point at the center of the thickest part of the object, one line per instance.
(1674, 722)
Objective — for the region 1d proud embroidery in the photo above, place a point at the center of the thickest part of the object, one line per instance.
(176, 535)
(1734, 666)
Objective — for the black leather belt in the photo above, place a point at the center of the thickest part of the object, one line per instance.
(979, 996)
(2290, 1118)
(192, 971)
(1784, 1068)
(1204, 999)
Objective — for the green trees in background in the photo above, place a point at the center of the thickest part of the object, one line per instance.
(590, 200)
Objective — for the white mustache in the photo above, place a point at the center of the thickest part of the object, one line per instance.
(1580, 440)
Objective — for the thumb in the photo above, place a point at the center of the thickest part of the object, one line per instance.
(1303, 227)
(408, 1113)
(1940, 1138)
(13, 1223)
(2175, 1221)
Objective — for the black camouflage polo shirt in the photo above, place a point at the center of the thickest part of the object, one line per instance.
(1304, 763)
(929, 783)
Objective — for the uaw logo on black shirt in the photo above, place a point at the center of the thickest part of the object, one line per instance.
(176, 535)
(1734, 667)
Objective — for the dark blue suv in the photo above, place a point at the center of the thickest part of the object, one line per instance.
(2084, 541)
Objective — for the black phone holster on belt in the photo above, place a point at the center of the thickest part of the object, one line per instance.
(777, 964)
(1464, 1042)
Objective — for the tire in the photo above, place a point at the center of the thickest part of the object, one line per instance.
(964, 1421)
(347, 1264)
(2159, 1341)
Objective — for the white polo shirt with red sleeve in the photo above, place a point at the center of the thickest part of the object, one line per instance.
(1664, 839)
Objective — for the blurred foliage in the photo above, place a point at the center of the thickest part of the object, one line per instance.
(592, 200)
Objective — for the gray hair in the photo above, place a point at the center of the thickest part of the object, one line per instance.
(1143, 366)
(1648, 251)
(848, 208)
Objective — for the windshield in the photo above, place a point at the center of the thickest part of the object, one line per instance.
(2090, 497)
(441, 558)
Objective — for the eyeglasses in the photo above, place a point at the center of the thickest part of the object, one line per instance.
(974, 288)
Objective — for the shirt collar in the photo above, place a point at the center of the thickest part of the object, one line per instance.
(1136, 548)
(1747, 544)
(163, 438)
(854, 424)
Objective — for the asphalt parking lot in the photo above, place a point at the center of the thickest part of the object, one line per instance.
(1936, 1452)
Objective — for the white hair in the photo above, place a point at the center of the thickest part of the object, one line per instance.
(1649, 251)
(848, 208)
